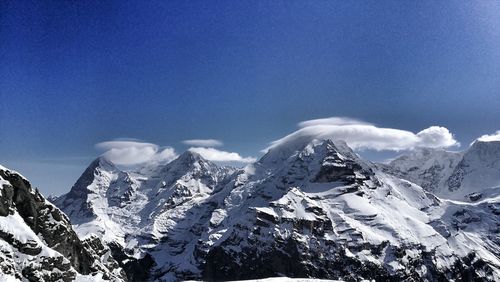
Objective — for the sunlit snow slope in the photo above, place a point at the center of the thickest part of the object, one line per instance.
(308, 208)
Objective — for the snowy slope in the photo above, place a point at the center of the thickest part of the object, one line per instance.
(139, 209)
(324, 206)
(311, 208)
(463, 176)
(428, 167)
(478, 171)
(37, 242)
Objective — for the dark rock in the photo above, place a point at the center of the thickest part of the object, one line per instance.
(54, 229)
(135, 269)
(474, 196)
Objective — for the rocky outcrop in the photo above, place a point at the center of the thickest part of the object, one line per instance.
(135, 269)
(45, 234)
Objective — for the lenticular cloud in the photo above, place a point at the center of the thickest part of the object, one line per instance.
(130, 153)
(203, 142)
(361, 135)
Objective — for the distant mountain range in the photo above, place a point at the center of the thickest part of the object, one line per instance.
(306, 209)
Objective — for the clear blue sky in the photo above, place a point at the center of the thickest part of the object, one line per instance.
(73, 74)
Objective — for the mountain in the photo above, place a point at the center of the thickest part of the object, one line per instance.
(323, 212)
(310, 208)
(137, 211)
(478, 171)
(37, 242)
(428, 167)
(471, 174)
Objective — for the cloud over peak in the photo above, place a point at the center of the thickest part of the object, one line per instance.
(358, 134)
(332, 121)
(216, 155)
(490, 137)
(361, 135)
(133, 152)
(203, 142)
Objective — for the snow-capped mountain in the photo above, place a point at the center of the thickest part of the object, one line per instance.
(323, 212)
(478, 171)
(37, 242)
(471, 174)
(428, 167)
(136, 211)
(311, 208)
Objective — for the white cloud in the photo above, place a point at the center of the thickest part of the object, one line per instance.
(332, 121)
(490, 137)
(203, 142)
(213, 154)
(130, 153)
(361, 135)
(436, 136)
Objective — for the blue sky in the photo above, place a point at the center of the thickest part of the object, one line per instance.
(74, 74)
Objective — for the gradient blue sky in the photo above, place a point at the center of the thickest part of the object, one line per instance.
(73, 74)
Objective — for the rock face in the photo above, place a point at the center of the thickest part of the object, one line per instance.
(37, 241)
(314, 209)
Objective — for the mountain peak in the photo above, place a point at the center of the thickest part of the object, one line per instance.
(485, 146)
(101, 161)
(477, 172)
(485, 153)
(339, 146)
(304, 145)
(80, 188)
(190, 156)
(187, 160)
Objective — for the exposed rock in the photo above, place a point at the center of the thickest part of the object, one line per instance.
(44, 233)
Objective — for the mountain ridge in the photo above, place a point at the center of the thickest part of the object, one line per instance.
(201, 217)
(314, 209)
(452, 175)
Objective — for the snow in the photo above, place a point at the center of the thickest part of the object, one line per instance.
(192, 206)
(88, 278)
(453, 175)
(284, 279)
(2, 183)
(138, 208)
(8, 278)
(430, 168)
(18, 259)
(14, 224)
(22, 250)
(281, 279)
